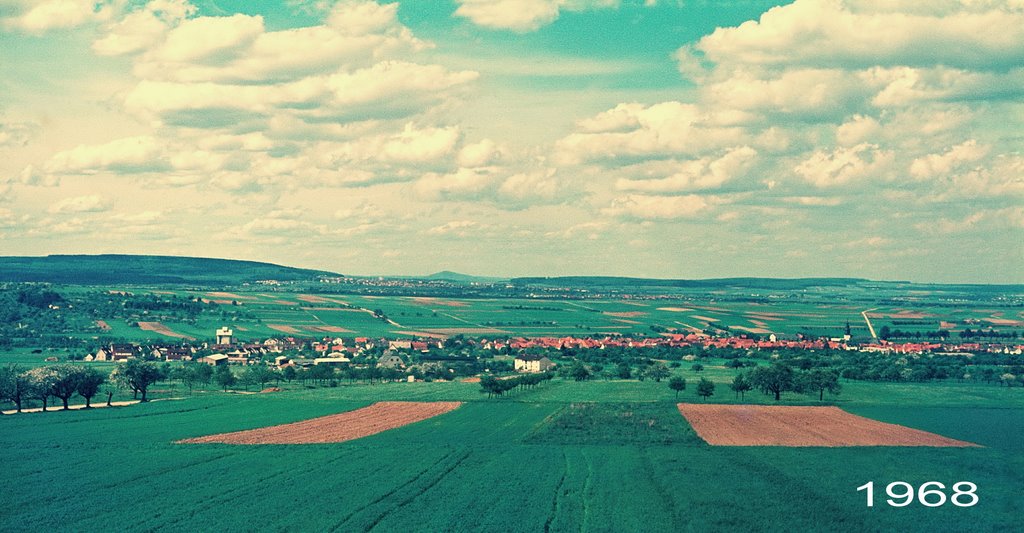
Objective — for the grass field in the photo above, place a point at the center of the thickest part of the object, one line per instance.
(599, 456)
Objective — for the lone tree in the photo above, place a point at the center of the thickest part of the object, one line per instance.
(14, 385)
(740, 385)
(677, 384)
(697, 367)
(821, 380)
(774, 379)
(705, 388)
(89, 381)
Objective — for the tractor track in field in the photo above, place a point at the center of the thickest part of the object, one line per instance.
(431, 484)
(100, 488)
(338, 525)
(225, 498)
(558, 490)
(667, 502)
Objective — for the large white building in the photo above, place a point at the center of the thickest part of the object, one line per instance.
(225, 336)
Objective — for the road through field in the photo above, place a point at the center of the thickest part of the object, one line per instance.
(868, 321)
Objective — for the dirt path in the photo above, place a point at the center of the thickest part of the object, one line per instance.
(868, 321)
(341, 427)
(774, 425)
(95, 405)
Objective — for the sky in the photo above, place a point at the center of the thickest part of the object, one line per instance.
(671, 139)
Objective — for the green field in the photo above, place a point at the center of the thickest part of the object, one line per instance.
(544, 459)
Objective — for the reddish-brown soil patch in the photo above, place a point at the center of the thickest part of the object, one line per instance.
(1004, 322)
(474, 379)
(228, 295)
(157, 327)
(341, 427)
(704, 318)
(283, 329)
(421, 334)
(675, 309)
(271, 389)
(103, 325)
(438, 301)
(947, 325)
(759, 331)
(773, 425)
(317, 299)
(282, 302)
(329, 329)
(464, 331)
(626, 314)
(764, 316)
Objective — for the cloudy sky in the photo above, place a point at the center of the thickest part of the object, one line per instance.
(870, 138)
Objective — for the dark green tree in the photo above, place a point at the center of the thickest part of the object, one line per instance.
(774, 379)
(89, 381)
(579, 372)
(705, 388)
(821, 380)
(14, 385)
(677, 384)
(224, 377)
(658, 372)
(740, 385)
(139, 375)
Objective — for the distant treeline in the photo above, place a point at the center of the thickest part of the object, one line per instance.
(145, 269)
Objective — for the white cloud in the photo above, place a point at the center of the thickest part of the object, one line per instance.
(814, 201)
(200, 38)
(856, 130)
(533, 187)
(128, 155)
(480, 154)
(633, 130)
(845, 165)
(40, 16)
(463, 183)
(704, 173)
(142, 28)
(933, 165)
(851, 34)
(659, 207)
(459, 228)
(516, 15)
(80, 204)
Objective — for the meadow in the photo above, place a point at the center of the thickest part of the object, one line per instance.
(594, 456)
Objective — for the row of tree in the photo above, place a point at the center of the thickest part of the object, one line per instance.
(494, 386)
(59, 381)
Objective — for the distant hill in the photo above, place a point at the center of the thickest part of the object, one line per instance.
(448, 275)
(145, 269)
(607, 282)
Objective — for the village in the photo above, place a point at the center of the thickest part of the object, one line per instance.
(527, 353)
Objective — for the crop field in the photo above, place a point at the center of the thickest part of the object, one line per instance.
(565, 456)
(258, 315)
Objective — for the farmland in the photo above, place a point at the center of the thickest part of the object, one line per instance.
(564, 456)
(169, 313)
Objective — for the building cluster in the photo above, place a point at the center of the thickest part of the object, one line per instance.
(338, 350)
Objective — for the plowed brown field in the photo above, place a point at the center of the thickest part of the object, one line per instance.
(771, 425)
(341, 427)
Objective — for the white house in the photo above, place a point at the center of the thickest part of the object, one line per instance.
(533, 363)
